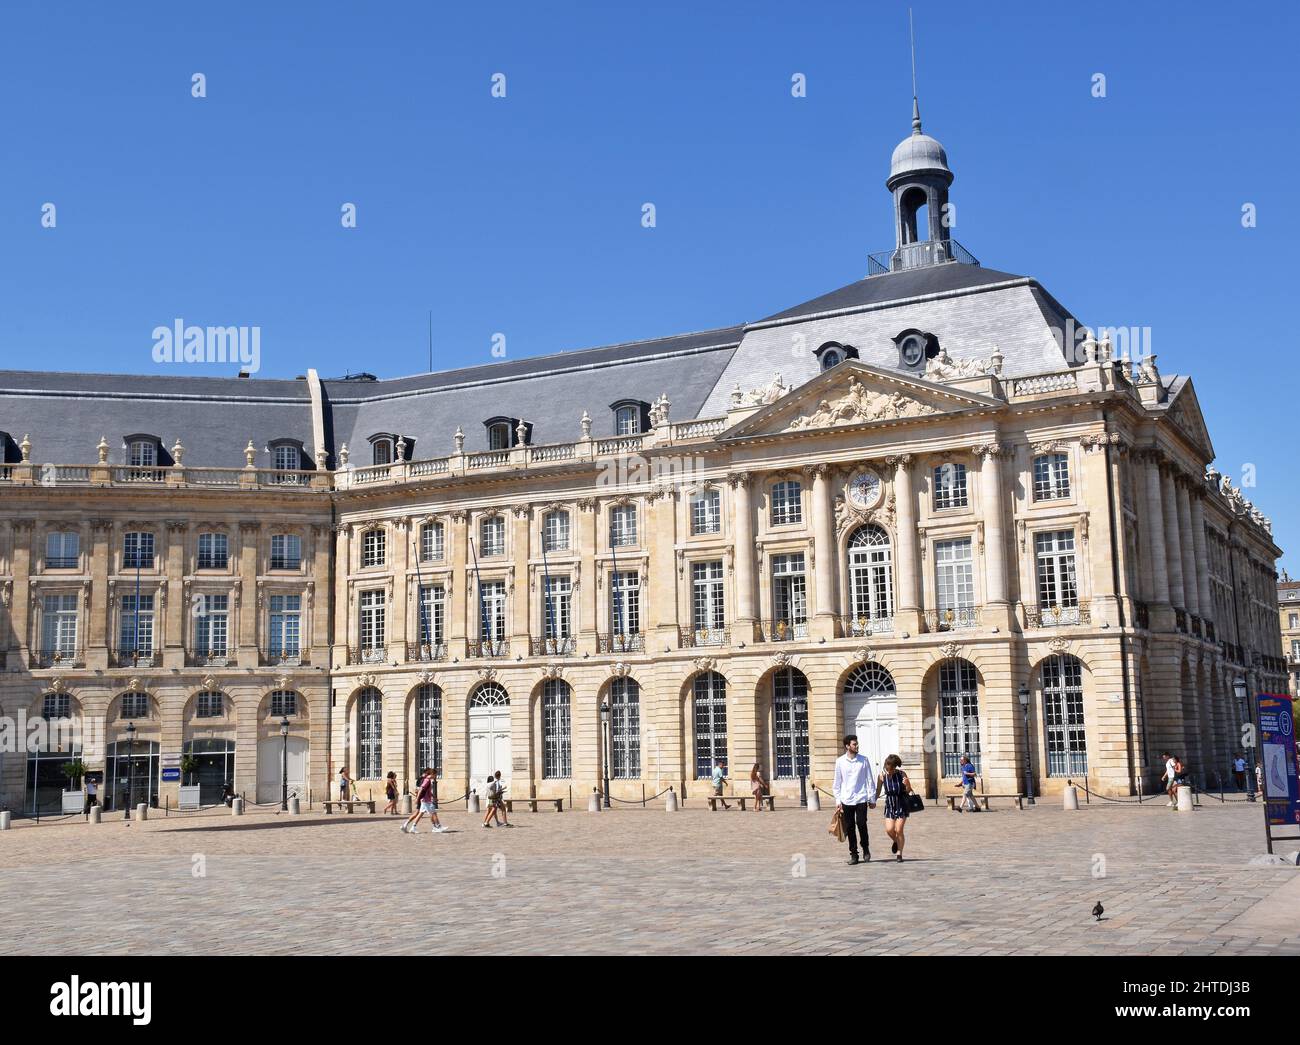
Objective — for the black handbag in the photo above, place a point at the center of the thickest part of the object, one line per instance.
(914, 802)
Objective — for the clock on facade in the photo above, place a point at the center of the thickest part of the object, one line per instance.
(865, 489)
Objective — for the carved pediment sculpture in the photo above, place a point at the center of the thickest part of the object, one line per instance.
(943, 367)
(859, 405)
(774, 390)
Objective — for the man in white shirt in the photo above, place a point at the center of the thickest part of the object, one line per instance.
(1170, 778)
(855, 793)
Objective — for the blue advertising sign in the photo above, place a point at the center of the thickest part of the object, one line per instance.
(171, 774)
(1278, 757)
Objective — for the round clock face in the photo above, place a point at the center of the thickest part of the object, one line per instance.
(864, 489)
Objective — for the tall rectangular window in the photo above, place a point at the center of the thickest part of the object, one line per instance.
(789, 597)
(950, 486)
(557, 612)
(787, 503)
(706, 512)
(557, 737)
(555, 531)
(1051, 477)
(214, 551)
(431, 542)
(790, 723)
(373, 548)
(59, 624)
(492, 623)
(285, 626)
(954, 575)
(63, 550)
(137, 626)
(286, 551)
(432, 609)
(492, 536)
(137, 549)
(707, 608)
(372, 622)
(625, 728)
(624, 603)
(212, 626)
(622, 526)
(1058, 589)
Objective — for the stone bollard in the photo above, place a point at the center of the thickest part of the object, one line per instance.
(406, 805)
(237, 807)
(471, 803)
(1071, 797)
(295, 806)
(4, 820)
(1184, 798)
(142, 811)
(814, 801)
(593, 803)
(96, 814)
(670, 803)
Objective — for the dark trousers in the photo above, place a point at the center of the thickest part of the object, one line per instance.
(855, 820)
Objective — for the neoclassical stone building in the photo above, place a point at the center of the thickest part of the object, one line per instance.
(893, 510)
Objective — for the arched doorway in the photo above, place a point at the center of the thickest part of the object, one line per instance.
(282, 759)
(871, 711)
(789, 724)
(1067, 742)
(489, 734)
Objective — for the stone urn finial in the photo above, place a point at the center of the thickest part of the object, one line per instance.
(322, 458)
(102, 449)
(521, 433)
(26, 447)
(664, 404)
(401, 448)
(459, 439)
(737, 397)
(250, 452)
(178, 452)
(995, 362)
(585, 422)
(343, 456)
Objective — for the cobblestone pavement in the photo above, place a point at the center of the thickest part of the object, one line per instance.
(644, 881)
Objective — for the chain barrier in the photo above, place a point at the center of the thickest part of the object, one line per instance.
(632, 801)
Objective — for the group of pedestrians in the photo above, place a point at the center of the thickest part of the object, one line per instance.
(758, 786)
(856, 789)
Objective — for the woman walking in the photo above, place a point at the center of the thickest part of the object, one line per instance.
(345, 783)
(895, 786)
(390, 791)
(757, 785)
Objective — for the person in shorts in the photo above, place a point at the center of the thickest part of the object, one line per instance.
(390, 792)
(427, 796)
(719, 779)
(968, 776)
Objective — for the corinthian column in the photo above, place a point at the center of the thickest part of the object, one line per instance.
(823, 549)
(1187, 548)
(907, 612)
(997, 612)
(1173, 542)
(1155, 532)
(743, 549)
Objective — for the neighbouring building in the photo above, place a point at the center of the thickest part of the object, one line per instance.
(1288, 608)
(928, 507)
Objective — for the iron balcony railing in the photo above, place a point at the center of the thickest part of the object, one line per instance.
(562, 646)
(211, 658)
(689, 637)
(1055, 616)
(289, 658)
(855, 626)
(955, 618)
(63, 657)
(138, 659)
(919, 255)
(62, 562)
(367, 654)
(426, 651)
(780, 630)
(487, 648)
(620, 642)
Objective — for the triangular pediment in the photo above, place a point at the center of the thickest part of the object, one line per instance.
(1184, 412)
(855, 394)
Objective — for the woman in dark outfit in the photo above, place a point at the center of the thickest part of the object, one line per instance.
(895, 786)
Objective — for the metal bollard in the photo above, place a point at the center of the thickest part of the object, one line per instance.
(1184, 798)
(237, 807)
(4, 820)
(670, 803)
(1071, 797)
(593, 803)
(295, 806)
(814, 802)
(96, 814)
(406, 806)
(142, 811)
(471, 803)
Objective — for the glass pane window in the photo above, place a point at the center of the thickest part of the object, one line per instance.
(707, 609)
(627, 421)
(372, 621)
(287, 458)
(1057, 586)
(950, 486)
(284, 703)
(286, 551)
(56, 706)
(143, 453)
(625, 728)
(954, 576)
(557, 608)
(370, 734)
(431, 542)
(499, 436)
(790, 723)
(374, 546)
(135, 705)
(557, 741)
(871, 577)
(492, 536)
(1051, 477)
(706, 512)
(209, 705)
(63, 550)
(284, 624)
(137, 625)
(555, 531)
(492, 620)
(959, 715)
(622, 526)
(137, 551)
(212, 626)
(383, 451)
(432, 609)
(625, 602)
(214, 551)
(1067, 744)
(789, 595)
(59, 624)
(710, 716)
(428, 732)
(787, 505)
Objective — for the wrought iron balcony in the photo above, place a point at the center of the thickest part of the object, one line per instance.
(919, 255)
(135, 659)
(780, 630)
(288, 658)
(1196, 625)
(62, 562)
(561, 646)
(955, 618)
(690, 637)
(59, 658)
(487, 648)
(211, 658)
(1055, 616)
(367, 654)
(622, 642)
(857, 626)
(425, 651)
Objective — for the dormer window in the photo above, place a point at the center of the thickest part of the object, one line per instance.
(142, 453)
(914, 348)
(499, 436)
(145, 458)
(382, 448)
(631, 416)
(505, 432)
(833, 353)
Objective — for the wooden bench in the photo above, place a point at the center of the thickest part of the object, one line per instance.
(740, 800)
(532, 803)
(983, 800)
(368, 803)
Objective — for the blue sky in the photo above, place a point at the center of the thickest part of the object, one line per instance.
(521, 215)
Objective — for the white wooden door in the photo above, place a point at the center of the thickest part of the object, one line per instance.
(875, 720)
(489, 746)
(270, 753)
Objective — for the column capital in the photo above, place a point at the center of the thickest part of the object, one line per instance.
(739, 480)
(988, 451)
(903, 461)
(822, 470)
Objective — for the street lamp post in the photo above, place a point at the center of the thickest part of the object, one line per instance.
(437, 742)
(130, 768)
(1243, 706)
(284, 764)
(604, 724)
(801, 752)
(1023, 695)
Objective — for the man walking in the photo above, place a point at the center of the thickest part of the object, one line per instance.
(428, 803)
(1170, 777)
(1239, 771)
(855, 793)
(968, 803)
(719, 778)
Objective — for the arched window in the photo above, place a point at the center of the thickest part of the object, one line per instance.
(1067, 744)
(959, 714)
(370, 734)
(790, 723)
(831, 357)
(710, 698)
(1051, 477)
(428, 727)
(871, 582)
(557, 741)
(383, 450)
(870, 679)
(490, 695)
(625, 728)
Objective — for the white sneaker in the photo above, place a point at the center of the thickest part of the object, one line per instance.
(487, 825)
(403, 828)
(440, 830)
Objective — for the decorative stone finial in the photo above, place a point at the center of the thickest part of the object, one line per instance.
(250, 454)
(459, 439)
(178, 452)
(322, 458)
(737, 397)
(1105, 352)
(585, 422)
(401, 448)
(343, 456)
(102, 449)
(26, 447)
(521, 432)
(664, 404)
(995, 362)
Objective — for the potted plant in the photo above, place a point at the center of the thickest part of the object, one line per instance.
(74, 799)
(189, 791)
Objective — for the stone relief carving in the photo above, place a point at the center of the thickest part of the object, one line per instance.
(950, 650)
(862, 654)
(620, 669)
(706, 663)
(773, 391)
(943, 367)
(552, 671)
(847, 516)
(369, 679)
(859, 405)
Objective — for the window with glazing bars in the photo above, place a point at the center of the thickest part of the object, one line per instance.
(959, 714)
(432, 609)
(137, 627)
(710, 699)
(373, 547)
(209, 705)
(1051, 477)
(1067, 744)
(135, 705)
(143, 454)
(871, 574)
(372, 619)
(137, 551)
(625, 728)
(557, 607)
(56, 705)
(492, 536)
(1056, 580)
(286, 551)
(789, 590)
(622, 526)
(556, 739)
(59, 623)
(950, 486)
(953, 575)
(287, 458)
(627, 421)
(706, 512)
(493, 611)
(284, 703)
(431, 542)
(790, 726)
(370, 733)
(625, 602)
(707, 611)
(212, 626)
(63, 550)
(214, 551)
(285, 625)
(428, 734)
(555, 531)
(787, 506)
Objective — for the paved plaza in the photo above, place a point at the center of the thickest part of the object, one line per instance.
(635, 881)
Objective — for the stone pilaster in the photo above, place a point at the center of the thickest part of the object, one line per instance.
(907, 609)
